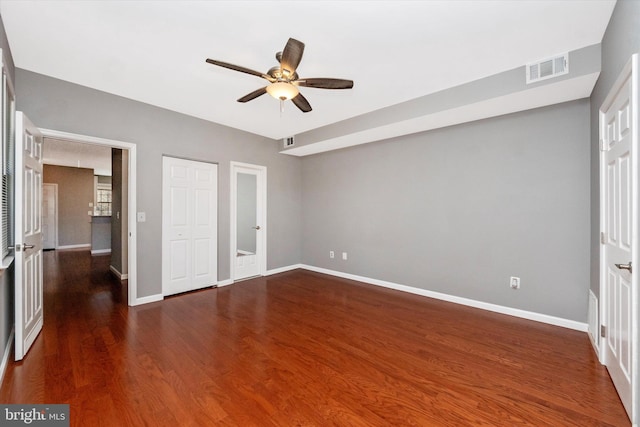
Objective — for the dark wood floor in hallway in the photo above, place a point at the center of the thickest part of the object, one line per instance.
(299, 349)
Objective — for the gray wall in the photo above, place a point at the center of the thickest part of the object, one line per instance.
(63, 106)
(461, 209)
(621, 40)
(75, 192)
(119, 225)
(100, 233)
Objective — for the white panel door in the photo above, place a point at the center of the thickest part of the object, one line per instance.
(49, 216)
(619, 231)
(248, 220)
(189, 225)
(28, 235)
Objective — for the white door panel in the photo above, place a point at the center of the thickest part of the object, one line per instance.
(248, 220)
(619, 154)
(189, 230)
(28, 236)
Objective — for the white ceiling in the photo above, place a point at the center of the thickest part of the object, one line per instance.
(155, 51)
(73, 154)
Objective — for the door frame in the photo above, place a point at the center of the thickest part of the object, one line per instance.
(55, 229)
(132, 296)
(261, 195)
(630, 70)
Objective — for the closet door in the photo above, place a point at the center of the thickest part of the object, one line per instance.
(189, 225)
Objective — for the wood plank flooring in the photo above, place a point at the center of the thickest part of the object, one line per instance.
(299, 349)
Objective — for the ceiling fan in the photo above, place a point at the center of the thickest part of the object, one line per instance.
(284, 80)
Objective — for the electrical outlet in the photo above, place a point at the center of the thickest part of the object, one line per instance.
(332, 254)
(514, 282)
(344, 256)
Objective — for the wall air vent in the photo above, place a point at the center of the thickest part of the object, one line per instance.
(548, 68)
(288, 142)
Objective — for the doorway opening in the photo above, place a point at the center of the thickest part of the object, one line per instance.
(128, 165)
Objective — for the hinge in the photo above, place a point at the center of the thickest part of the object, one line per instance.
(602, 145)
(603, 331)
(603, 238)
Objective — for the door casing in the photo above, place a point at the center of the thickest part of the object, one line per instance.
(132, 296)
(54, 230)
(261, 194)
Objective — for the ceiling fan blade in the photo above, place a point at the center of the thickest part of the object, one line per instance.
(321, 83)
(253, 95)
(237, 68)
(291, 56)
(302, 103)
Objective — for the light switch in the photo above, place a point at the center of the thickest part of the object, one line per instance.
(90, 204)
(142, 216)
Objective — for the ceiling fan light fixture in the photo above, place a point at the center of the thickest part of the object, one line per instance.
(282, 90)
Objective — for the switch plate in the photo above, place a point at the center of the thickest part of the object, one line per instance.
(344, 256)
(142, 217)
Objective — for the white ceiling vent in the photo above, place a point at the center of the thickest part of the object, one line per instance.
(288, 142)
(548, 68)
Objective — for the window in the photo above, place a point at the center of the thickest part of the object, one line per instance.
(103, 200)
(7, 154)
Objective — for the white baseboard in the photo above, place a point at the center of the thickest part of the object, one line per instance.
(226, 282)
(148, 299)
(282, 269)
(100, 251)
(538, 317)
(6, 355)
(593, 322)
(82, 246)
(118, 274)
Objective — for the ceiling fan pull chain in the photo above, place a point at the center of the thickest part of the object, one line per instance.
(281, 107)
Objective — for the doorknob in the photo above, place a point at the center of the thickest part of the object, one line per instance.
(19, 247)
(257, 227)
(624, 266)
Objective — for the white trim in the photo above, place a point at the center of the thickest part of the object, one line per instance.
(100, 251)
(81, 246)
(226, 282)
(55, 229)
(147, 300)
(538, 317)
(261, 183)
(118, 274)
(132, 200)
(283, 269)
(5, 356)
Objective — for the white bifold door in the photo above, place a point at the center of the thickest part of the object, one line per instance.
(28, 235)
(189, 225)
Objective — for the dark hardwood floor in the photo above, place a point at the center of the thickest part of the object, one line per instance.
(299, 349)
